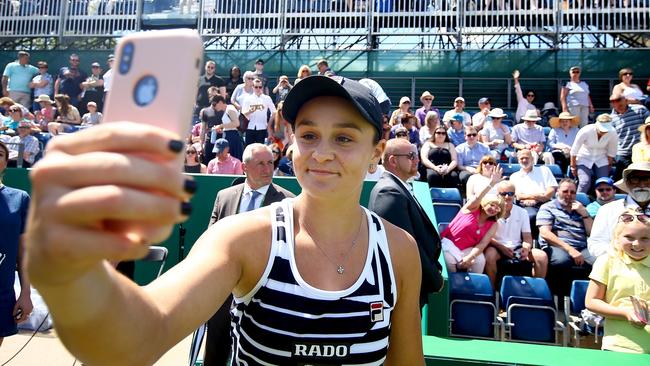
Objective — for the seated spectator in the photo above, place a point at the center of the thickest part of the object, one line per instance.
(30, 143)
(605, 193)
(6, 102)
(513, 240)
(431, 121)
(620, 274)
(564, 130)
(421, 113)
(641, 150)
(192, 164)
(223, 163)
(68, 119)
(470, 232)
(480, 118)
(456, 132)
(632, 92)
(459, 108)
(564, 225)
(636, 183)
(404, 108)
(593, 152)
(285, 166)
(46, 113)
(10, 124)
(438, 156)
(548, 111)
(529, 135)
(481, 178)
(470, 154)
(406, 121)
(534, 185)
(496, 135)
(524, 100)
(93, 117)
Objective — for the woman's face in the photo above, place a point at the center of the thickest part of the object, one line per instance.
(626, 77)
(440, 135)
(333, 148)
(190, 155)
(491, 209)
(634, 240)
(488, 167)
(496, 122)
(235, 72)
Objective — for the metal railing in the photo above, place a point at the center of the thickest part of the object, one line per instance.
(293, 18)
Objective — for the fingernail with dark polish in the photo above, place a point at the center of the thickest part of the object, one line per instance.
(186, 208)
(190, 186)
(176, 145)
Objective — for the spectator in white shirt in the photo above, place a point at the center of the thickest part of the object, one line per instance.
(459, 108)
(481, 118)
(593, 152)
(256, 108)
(636, 183)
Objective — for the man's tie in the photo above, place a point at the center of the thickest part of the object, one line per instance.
(251, 203)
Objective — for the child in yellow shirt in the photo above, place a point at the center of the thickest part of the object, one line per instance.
(619, 274)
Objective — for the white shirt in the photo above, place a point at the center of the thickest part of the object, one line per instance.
(259, 119)
(375, 89)
(535, 182)
(246, 197)
(376, 175)
(108, 79)
(602, 230)
(588, 150)
(479, 182)
(509, 230)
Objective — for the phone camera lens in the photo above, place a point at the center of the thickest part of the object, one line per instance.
(145, 91)
(126, 58)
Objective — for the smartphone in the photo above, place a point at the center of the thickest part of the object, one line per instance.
(155, 78)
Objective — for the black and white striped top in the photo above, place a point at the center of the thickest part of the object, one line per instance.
(285, 321)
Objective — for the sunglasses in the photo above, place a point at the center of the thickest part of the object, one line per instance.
(210, 67)
(506, 194)
(489, 163)
(190, 152)
(607, 189)
(530, 95)
(401, 134)
(628, 74)
(250, 78)
(637, 179)
(627, 218)
(429, 99)
(410, 156)
(257, 87)
(470, 135)
(575, 71)
(441, 133)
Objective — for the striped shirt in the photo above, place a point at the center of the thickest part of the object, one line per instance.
(627, 127)
(286, 321)
(568, 226)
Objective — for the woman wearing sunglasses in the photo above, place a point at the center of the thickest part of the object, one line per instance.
(575, 97)
(619, 286)
(481, 178)
(191, 162)
(632, 92)
(438, 155)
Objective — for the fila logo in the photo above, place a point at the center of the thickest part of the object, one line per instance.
(321, 350)
(376, 312)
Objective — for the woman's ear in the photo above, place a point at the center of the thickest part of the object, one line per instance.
(379, 150)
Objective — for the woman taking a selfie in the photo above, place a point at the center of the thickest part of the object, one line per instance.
(352, 291)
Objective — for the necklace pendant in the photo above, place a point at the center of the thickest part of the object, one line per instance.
(340, 269)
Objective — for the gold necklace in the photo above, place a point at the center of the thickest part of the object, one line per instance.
(340, 268)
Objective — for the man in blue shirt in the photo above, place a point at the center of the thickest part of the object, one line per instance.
(13, 216)
(16, 78)
(605, 193)
(470, 154)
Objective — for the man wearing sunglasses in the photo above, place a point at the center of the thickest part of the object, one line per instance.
(636, 183)
(392, 199)
(256, 108)
(470, 154)
(605, 193)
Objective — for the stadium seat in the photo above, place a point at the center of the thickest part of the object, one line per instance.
(473, 307)
(508, 169)
(557, 171)
(508, 122)
(531, 314)
(583, 198)
(446, 204)
(573, 306)
(620, 196)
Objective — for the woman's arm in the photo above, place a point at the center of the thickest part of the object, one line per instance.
(405, 347)
(204, 169)
(424, 156)
(563, 94)
(454, 157)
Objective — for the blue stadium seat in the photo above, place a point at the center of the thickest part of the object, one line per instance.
(531, 314)
(573, 306)
(473, 307)
(620, 196)
(508, 122)
(508, 169)
(557, 171)
(509, 115)
(583, 198)
(446, 195)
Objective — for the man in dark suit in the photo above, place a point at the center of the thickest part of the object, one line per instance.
(393, 200)
(255, 192)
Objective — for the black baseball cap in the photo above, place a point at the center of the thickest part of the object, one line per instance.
(336, 86)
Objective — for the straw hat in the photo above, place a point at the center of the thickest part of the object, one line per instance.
(426, 94)
(531, 115)
(554, 122)
(644, 125)
(642, 166)
(43, 98)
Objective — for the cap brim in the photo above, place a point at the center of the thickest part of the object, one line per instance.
(605, 128)
(323, 86)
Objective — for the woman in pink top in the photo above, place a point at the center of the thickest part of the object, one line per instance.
(464, 240)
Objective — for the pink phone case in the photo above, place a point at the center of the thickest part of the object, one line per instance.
(155, 78)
